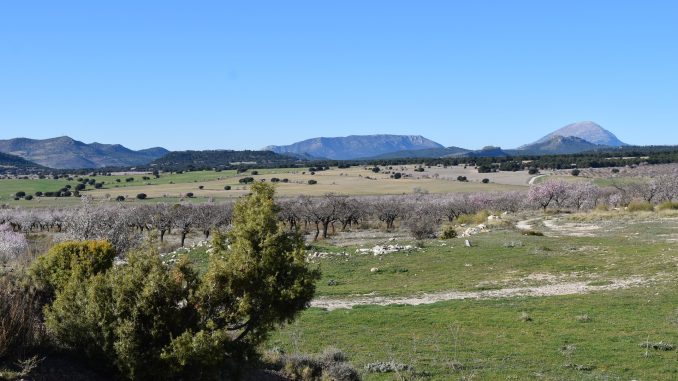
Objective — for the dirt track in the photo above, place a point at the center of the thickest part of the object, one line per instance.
(545, 290)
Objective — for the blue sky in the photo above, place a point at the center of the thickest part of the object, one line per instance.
(235, 75)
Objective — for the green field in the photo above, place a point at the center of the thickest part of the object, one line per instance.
(589, 336)
(595, 334)
(578, 337)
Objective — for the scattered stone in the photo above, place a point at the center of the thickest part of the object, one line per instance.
(323, 254)
(580, 367)
(374, 269)
(660, 346)
(482, 228)
(385, 249)
(387, 367)
(467, 243)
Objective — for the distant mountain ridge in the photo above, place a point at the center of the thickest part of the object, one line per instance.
(355, 146)
(588, 131)
(66, 153)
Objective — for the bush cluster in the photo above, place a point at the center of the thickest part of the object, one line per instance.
(145, 319)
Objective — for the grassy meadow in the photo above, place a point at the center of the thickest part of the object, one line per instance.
(592, 334)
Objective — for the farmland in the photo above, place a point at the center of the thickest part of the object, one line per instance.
(423, 277)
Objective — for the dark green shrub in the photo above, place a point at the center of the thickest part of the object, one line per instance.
(575, 172)
(28, 197)
(189, 194)
(133, 336)
(448, 232)
(246, 180)
(120, 198)
(150, 320)
(312, 182)
(141, 196)
(51, 271)
(485, 181)
(227, 187)
(20, 194)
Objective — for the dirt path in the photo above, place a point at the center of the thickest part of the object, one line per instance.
(533, 179)
(526, 224)
(546, 290)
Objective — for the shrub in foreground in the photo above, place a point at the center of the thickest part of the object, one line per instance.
(150, 320)
(53, 270)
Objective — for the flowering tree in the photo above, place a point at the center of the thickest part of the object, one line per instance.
(542, 195)
(583, 195)
(12, 244)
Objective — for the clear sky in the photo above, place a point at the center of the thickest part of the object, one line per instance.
(235, 75)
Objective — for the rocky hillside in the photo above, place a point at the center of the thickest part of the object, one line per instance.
(559, 145)
(10, 162)
(355, 146)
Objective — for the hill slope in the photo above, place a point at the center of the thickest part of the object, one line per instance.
(10, 162)
(589, 131)
(559, 145)
(65, 153)
(355, 146)
(423, 153)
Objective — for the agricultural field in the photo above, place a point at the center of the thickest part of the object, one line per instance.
(210, 184)
(557, 280)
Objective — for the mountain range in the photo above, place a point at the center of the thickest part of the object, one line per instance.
(66, 153)
(573, 138)
(355, 146)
